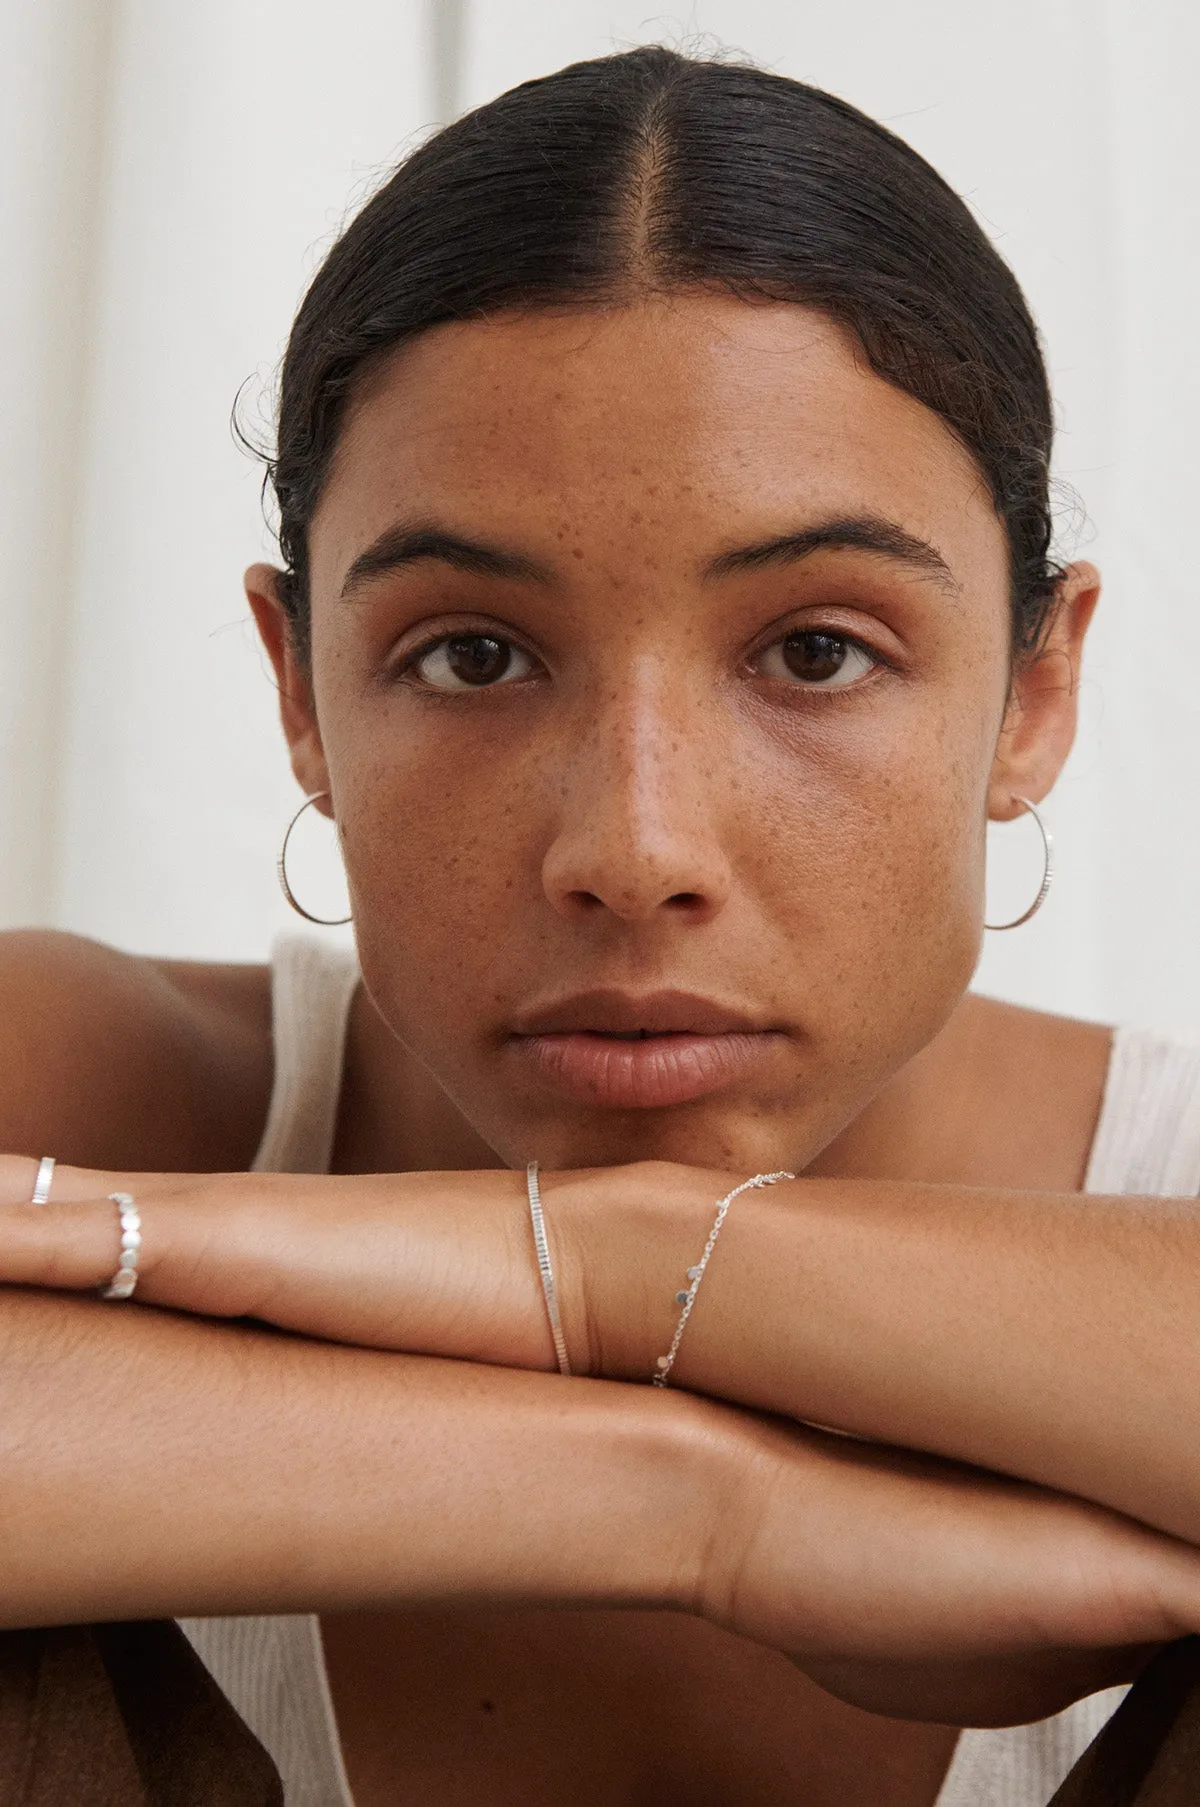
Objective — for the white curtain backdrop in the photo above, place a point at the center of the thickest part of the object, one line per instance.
(169, 178)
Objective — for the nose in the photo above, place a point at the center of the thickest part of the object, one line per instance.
(636, 830)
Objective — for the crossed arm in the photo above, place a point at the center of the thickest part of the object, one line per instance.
(159, 1463)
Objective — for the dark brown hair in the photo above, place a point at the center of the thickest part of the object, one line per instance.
(652, 170)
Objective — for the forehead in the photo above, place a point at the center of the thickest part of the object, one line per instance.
(700, 419)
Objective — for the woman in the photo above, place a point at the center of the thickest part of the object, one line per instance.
(665, 610)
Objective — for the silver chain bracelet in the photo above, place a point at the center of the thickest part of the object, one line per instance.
(687, 1296)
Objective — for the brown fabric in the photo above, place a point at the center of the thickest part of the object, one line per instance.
(122, 1716)
(1148, 1755)
(128, 1716)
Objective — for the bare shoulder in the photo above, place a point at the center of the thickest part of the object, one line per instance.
(110, 1059)
(1019, 1031)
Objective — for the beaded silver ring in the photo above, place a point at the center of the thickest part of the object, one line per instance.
(126, 1277)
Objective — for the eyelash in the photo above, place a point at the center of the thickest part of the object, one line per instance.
(850, 642)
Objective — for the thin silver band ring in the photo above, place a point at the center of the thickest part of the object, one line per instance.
(44, 1180)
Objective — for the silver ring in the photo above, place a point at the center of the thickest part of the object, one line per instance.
(44, 1180)
(126, 1277)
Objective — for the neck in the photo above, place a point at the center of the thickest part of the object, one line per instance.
(394, 1117)
(1002, 1097)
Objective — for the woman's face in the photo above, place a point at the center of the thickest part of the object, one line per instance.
(660, 676)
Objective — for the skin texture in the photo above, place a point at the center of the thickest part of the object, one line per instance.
(370, 1263)
(656, 803)
(648, 808)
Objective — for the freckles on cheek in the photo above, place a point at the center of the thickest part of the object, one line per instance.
(431, 911)
(435, 850)
(876, 875)
(921, 920)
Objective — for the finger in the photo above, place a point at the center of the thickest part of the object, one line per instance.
(207, 1245)
(72, 1185)
(70, 1247)
(18, 1175)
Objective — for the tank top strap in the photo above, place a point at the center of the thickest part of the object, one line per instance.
(312, 983)
(1147, 1141)
(272, 1670)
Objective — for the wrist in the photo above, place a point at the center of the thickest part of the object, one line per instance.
(624, 1238)
(674, 1457)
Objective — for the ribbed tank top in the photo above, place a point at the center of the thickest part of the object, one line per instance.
(1147, 1142)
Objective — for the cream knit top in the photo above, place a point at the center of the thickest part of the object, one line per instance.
(273, 1669)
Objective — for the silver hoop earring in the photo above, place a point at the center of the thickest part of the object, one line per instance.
(325, 922)
(1047, 871)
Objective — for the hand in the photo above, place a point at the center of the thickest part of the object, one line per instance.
(439, 1264)
(424, 1263)
(925, 1589)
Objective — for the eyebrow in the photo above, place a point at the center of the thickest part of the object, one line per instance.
(412, 544)
(415, 543)
(850, 533)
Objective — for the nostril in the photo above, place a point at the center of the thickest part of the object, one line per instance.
(686, 900)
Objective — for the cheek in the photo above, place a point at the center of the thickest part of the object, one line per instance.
(440, 852)
(875, 848)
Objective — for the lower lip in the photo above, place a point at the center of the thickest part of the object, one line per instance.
(658, 1070)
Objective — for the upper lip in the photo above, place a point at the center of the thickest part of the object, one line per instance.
(609, 1012)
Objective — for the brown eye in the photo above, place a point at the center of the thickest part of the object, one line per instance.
(477, 658)
(827, 661)
(470, 662)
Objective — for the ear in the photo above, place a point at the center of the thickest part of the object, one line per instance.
(296, 708)
(1043, 708)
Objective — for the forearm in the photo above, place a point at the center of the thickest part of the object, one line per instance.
(151, 1464)
(1055, 1338)
(154, 1464)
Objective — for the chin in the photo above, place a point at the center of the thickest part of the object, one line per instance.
(727, 1137)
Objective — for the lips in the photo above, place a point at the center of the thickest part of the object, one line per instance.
(619, 1052)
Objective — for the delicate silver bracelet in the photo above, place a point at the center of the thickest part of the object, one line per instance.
(687, 1297)
(126, 1277)
(549, 1290)
(44, 1180)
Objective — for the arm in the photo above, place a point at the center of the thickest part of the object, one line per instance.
(1055, 1338)
(1052, 1337)
(151, 1464)
(155, 1464)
